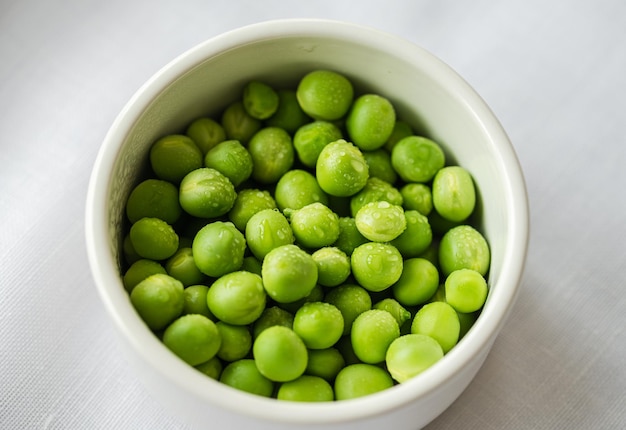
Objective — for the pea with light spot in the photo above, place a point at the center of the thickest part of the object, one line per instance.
(380, 221)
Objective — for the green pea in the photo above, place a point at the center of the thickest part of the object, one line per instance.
(140, 270)
(466, 290)
(379, 164)
(195, 301)
(236, 341)
(316, 295)
(454, 196)
(289, 273)
(376, 266)
(153, 239)
(194, 338)
(206, 193)
(319, 324)
(306, 388)
(245, 376)
(218, 248)
(341, 169)
(314, 225)
(158, 300)
(417, 197)
(289, 116)
(280, 354)
(361, 379)
(231, 159)
(333, 266)
(372, 333)
(440, 321)
(206, 133)
(418, 282)
(375, 190)
(248, 202)
(251, 264)
(417, 236)
(173, 156)
(154, 198)
(349, 236)
(298, 188)
(212, 368)
(440, 225)
(266, 230)
(344, 346)
(380, 221)
(128, 250)
(267, 169)
(325, 94)
(237, 298)
(238, 124)
(396, 310)
(311, 138)
(182, 266)
(417, 159)
(325, 363)
(401, 129)
(410, 355)
(272, 316)
(260, 100)
(464, 247)
(370, 121)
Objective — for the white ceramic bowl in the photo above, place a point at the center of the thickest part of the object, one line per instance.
(203, 81)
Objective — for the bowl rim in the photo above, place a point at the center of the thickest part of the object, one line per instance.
(151, 350)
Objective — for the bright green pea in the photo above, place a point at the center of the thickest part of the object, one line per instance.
(372, 333)
(236, 341)
(140, 270)
(319, 324)
(266, 230)
(298, 188)
(212, 368)
(375, 190)
(380, 221)
(454, 195)
(410, 355)
(280, 354)
(206, 193)
(418, 282)
(182, 266)
(349, 236)
(153, 239)
(206, 133)
(440, 321)
(218, 248)
(341, 169)
(464, 247)
(396, 310)
(158, 300)
(325, 363)
(260, 100)
(289, 116)
(376, 266)
(289, 273)
(325, 94)
(361, 379)
(245, 376)
(379, 164)
(195, 301)
(315, 225)
(370, 121)
(248, 202)
(466, 290)
(417, 159)
(154, 198)
(311, 138)
(333, 266)
(417, 197)
(272, 154)
(237, 298)
(173, 156)
(306, 388)
(194, 338)
(401, 129)
(270, 317)
(417, 236)
(231, 159)
(238, 124)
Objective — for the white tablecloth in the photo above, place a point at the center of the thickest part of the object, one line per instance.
(554, 72)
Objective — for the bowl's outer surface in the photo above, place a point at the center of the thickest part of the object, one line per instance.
(426, 93)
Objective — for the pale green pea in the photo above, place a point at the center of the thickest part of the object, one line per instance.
(206, 133)
(237, 298)
(311, 138)
(361, 379)
(418, 282)
(466, 290)
(218, 248)
(158, 300)
(325, 94)
(266, 230)
(376, 266)
(454, 195)
(206, 193)
(333, 266)
(417, 236)
(319, 324)
(464, 247)
(372, 333)
(236, 341)
(440, 321)
(272, 154)
(173, 156)
(298, 188)
(314, 225)
(417, 197)
(289, 273)
(341, 169)
(245, 376)
(154, 198)
(231, 159)
(280, 354)
(153, 239)
(417, 159)
(396, 310)
(410, 355)
(194, 338)
(260, 100)
(375, 190)
(380, 221)
(351, 300)
(306, 388)
(370, 121)
(248, 202)
(140, 270)
(238, 124)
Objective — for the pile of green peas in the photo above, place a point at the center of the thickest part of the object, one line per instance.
(307, 245)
